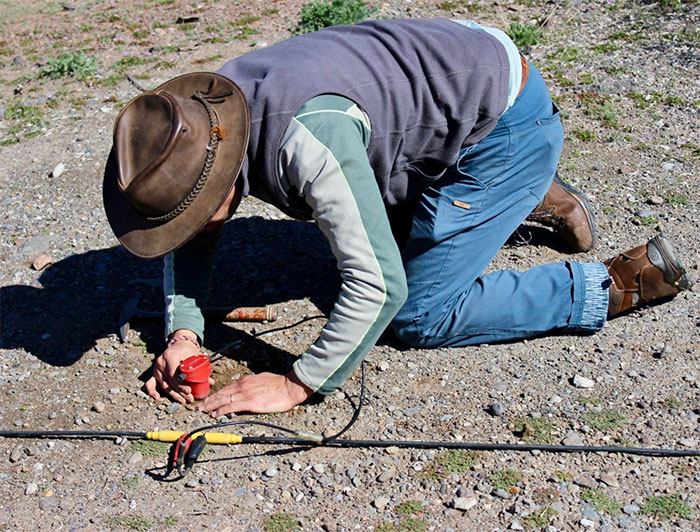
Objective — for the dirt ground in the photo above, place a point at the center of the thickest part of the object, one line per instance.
(625, 75)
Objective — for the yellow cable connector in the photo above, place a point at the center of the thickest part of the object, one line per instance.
(220, 438)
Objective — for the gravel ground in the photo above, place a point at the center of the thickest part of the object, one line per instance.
(626, 77)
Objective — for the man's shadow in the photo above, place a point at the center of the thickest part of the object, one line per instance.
(258, 262)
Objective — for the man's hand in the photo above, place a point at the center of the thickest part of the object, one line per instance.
(261, 393)
(166, 366)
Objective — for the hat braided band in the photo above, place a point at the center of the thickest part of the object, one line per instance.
(216, 133)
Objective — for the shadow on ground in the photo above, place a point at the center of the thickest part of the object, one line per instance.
(259, 262)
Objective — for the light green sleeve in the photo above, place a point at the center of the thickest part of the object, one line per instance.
(186, 281)
(323, 155)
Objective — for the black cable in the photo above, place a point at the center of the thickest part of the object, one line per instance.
(423, 444)
(357, 410)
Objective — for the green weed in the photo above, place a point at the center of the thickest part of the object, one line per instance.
(409, 508)
(566, 53)
(130, 481)
(70, 64)
(506, 479)
(563, 476)
(673, 403)
(9, 141)
(604, 420)
(386, 526)
(666, 506)
(244, 32)
(606, 48)
(457, 460)
(281, 522)
(132, 522)
(132, 60)
(626, 35)
(674, 198)
(534, 430)
(208, 59)
(320, 14)
(539, 518)
(547, 495)
(412, 525)
(111, 80)
(585, 135)
(450, 461)
(20, 111)
(601, 502)
(469, 5)
(150, 448)
(587, 400)
(648, 220)
(523, 35)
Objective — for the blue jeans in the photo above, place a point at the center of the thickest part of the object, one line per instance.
(464, 219)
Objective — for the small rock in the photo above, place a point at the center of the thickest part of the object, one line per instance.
(583, 382)
(483, 487)
(31, 488)
(271, 472)
(668, 166)
(16, 455)
(586, 481)
(464, 503)
(41, 262)
(386, 475)
(58, 170)
(496, 409)
(204, 480)
(114, 391)
(644, 213)
(296, 466)
(587, 523)
(655, 200)
(688, 442)
(135, 458)
(501, 493)
(631, 509)
(48, 503)
(172, 408)
(515, 525)
(573, 438)
(35, 246)
(319, 468)
(465, 492)
(665, 352)
(380, 503)
(609, 479)
(99, 407)
(192, 483)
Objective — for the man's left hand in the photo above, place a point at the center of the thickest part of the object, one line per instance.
(260, 394)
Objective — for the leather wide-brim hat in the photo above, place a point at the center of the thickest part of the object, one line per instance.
(177, 152)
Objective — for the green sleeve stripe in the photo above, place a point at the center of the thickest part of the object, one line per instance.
(340, 186)
(361, 347)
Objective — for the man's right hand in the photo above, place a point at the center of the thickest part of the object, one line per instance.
(165, 368)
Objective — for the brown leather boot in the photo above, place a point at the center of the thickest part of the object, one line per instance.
(568, 212)
(643, 274)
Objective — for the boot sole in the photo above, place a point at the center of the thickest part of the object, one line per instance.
(662, 255)
(583, 202)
